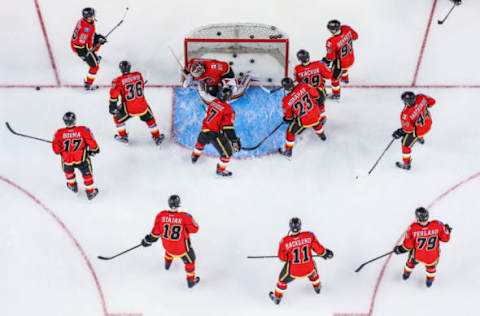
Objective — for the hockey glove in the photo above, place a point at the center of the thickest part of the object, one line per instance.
(287, 120)
(328, 254)
(99, 39)
(448, 229)
(326, 61)
(92, 153)
(399, 250)
(237, 146)
(112, 108)
(145, 242)
(399, 133)
(457, 2)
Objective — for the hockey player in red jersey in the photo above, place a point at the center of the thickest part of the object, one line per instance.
(313, 73)
(212, 74)
(296, 250)
(174, 228)
(218, 130)
(76, 145)
(416, 123)
(85, 43)
(340, 52)
(300, 111)
(130, 87)
(422, 240)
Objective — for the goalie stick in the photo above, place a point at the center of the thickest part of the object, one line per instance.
(121, 253)
(28, 136)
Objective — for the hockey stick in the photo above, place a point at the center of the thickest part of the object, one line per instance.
(267, 257)
(270, 91)
(263, 140)
(113, 29)
(121, 253)
(364, 264)
(445, 18)
(176, 58)
(23, 135)
(376, 163)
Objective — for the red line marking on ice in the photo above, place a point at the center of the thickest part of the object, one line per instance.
(384, 267)
(440, 197)
(69, 233)
(373, 86)
(47, 42)
(424, 43)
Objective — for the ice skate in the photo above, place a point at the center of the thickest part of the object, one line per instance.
(89, 87)
(122, 139)
(191, 283)
(322, 137)
(274, 298)
(158, 140)
(73, 187)
(405, 275)
(317, 289)
(224, 173)
(91, 195)
(402, 165)
(429, 282)
(286, 153)
(194, 158)
(168, 263)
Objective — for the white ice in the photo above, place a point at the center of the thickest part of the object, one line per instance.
(42, 271)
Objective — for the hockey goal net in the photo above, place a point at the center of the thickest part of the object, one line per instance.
(259, 48)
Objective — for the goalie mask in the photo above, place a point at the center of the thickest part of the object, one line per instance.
(198, 69)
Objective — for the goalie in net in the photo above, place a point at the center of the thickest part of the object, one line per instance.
(210, 75)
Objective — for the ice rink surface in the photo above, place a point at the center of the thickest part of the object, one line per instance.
(50, 238)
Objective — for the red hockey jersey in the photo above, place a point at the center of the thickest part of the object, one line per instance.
(220, 116)
(73, 143)
(302, 103)
(214, 70)
(130, 87)
(417, 118)
(341, 46)
(313, 73)
(297, 251)
(83, 35)
(174, 228)
(425, 240)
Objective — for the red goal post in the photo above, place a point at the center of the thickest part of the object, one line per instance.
(232, 40)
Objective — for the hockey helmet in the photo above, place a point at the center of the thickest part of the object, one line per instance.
(198, 69)
(334, 25)
(421, 214)
(88, 13)
(224, 94)
(287, 84)
(303, 56)
(174, 201)
(409, 98)
(69, 119)
(295, 225)
(125, 67)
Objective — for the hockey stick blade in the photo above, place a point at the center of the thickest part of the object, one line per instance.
(270, 91)
(445, 18)
(121, 253)
(23, 135)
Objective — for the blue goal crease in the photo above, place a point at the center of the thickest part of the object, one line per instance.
(257, 114)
